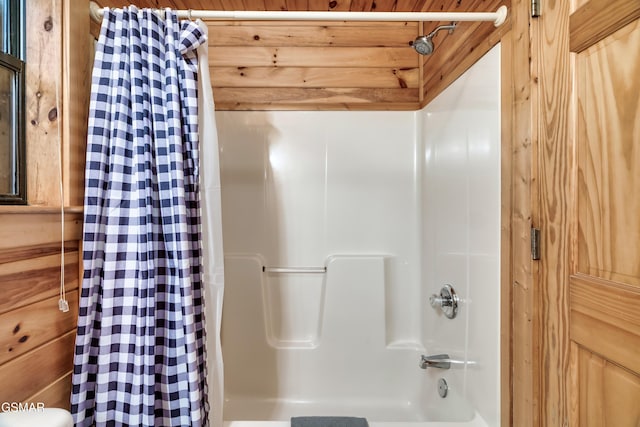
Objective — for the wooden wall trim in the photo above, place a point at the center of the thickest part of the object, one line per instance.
(598, 19)
(524, 343)
(506, 244)
(39, 210)
(76, 76)
(553, 157)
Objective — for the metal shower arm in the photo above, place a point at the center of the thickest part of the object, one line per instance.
(450, 27)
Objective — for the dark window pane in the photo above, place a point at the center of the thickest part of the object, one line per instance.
(8, 183)
(4, 28)
(12, 86)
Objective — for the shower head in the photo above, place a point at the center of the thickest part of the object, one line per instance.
(424, 44)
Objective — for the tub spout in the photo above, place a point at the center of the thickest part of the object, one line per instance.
(441, 361)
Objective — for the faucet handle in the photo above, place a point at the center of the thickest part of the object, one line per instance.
(437, 301)
(447, 301)
(441, 361)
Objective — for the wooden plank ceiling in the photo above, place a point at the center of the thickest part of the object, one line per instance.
(334, 65)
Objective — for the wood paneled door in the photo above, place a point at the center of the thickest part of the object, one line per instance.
(604, 216)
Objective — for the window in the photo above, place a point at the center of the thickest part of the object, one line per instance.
(12, 113)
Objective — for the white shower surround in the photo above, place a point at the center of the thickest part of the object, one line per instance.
(394, 204)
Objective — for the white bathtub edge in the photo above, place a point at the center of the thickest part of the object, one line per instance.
(477, 421)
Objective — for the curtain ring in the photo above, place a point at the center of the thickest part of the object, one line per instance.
(189, 15)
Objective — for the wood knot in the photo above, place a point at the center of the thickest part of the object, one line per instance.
(53, 114)
(16, 329)
(332, 4)
(256, 37)
(23, 338)
(48, 24)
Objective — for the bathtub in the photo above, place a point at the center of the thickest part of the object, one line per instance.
(285, 356)
(376, 417)
(476, 422)
(283, 421)
(257, 413)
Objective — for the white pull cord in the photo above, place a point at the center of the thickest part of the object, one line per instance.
(63, 304)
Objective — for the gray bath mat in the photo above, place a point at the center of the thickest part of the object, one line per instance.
(329, 422)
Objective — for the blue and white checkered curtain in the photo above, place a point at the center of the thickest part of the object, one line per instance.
(140, 354)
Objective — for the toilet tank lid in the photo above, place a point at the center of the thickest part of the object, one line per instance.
(36, 417)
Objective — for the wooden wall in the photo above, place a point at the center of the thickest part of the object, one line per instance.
(314, 65)
(336, 65)
(36, 339)
(359, 66)
(43, 84)
(58, 79)
(583, 200)
(454, 53)
(603, 281)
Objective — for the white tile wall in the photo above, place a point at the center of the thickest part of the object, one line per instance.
(461, 231)
(395, 204)
(299, 187)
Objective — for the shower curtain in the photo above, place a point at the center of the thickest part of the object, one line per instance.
(213, 254)
(140, 346)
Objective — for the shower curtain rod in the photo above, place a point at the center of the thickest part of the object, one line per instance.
(497, 17)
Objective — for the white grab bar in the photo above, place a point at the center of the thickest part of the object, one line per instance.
(287, 270)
